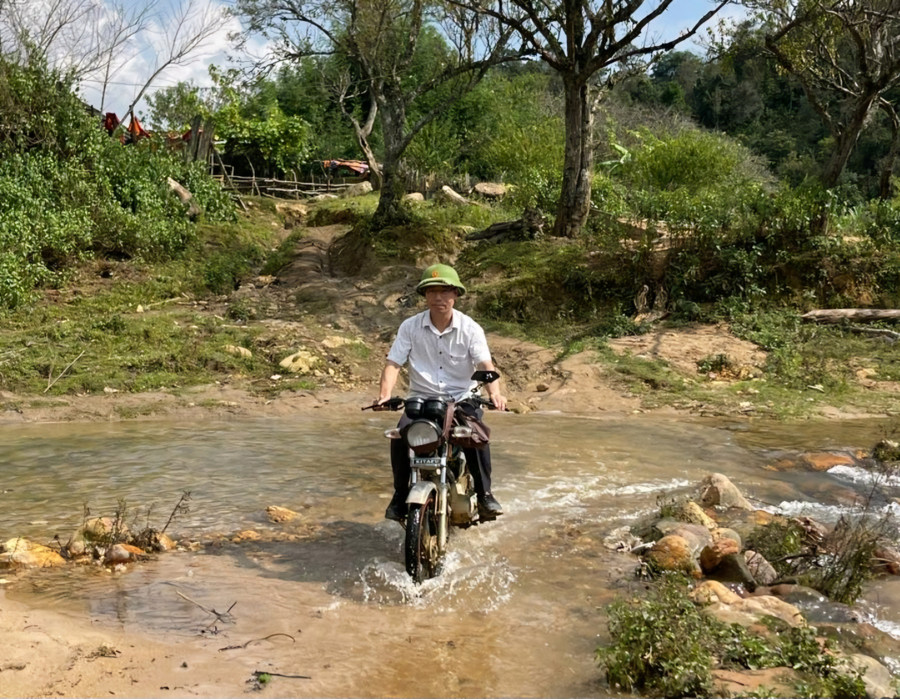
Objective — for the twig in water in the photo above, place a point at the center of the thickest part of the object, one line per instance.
(63, 372)
(181, 507)
(254, 640)
(225, 617)
(257, 673)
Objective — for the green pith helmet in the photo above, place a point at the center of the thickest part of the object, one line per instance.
(440, 275)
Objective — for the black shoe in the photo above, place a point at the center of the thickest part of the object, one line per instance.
(488, 507)
(397, 509)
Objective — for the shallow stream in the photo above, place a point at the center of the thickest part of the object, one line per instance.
(518, 609)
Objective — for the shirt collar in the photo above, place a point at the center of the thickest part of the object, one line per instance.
(454, 322)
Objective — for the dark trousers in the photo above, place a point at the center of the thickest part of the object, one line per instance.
(478, 460)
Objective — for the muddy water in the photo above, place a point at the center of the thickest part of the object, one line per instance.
(518, 608)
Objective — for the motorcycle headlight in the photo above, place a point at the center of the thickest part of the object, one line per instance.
(422, 436)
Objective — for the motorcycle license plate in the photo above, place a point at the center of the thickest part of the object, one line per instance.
(430, 462)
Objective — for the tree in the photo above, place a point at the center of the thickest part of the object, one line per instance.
(91, 40)
(172, 108)
(846, 55)
(380, 44)
(583, 40)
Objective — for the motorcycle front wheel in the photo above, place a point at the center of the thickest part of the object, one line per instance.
(422, 555)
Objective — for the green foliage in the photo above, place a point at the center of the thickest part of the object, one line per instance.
(273, 141)
(544, 281)
(691, 159)
(659, 644)
(837, 568)
(778, 542)
(68, 191)
(173, 108)
(664, 645)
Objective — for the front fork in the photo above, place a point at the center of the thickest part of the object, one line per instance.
(442, 496)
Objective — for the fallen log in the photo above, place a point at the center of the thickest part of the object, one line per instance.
(529, 227)
(861, 315)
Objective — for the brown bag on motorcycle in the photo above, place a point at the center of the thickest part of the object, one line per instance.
(481, 433)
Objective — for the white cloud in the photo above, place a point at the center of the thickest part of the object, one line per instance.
(144, 54)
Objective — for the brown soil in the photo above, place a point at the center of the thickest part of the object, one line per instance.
(308, 305)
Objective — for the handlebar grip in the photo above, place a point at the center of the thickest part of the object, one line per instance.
(391, 404)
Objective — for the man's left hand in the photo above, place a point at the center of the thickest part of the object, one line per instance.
(498, 400)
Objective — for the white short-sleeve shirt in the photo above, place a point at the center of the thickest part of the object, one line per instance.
(440, 363)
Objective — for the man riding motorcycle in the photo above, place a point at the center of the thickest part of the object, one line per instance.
(442, 347)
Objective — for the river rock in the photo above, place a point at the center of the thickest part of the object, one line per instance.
(886, 560)
(727, 533)
(101, 529)
(713, 553)
(673, 553)
(718, 491)
(750, 610)
(733, 568)
(690, 512)
(21, 553)
(710, 591)
(161, 542)
(761, 570)
(280, 514)
(696, 535)
(877, 678)
(414, 196)
(122, 553)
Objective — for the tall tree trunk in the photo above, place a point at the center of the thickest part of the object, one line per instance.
(390, 211)
(575, 198)
(847, 137)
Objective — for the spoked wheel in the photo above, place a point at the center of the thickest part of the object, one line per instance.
(422, 541)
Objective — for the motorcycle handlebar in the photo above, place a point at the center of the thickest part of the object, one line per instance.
(391, 404)
(397, 403)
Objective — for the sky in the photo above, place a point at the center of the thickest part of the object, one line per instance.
(140, 60)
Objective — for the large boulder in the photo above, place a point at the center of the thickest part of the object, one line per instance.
(877, 678)
(717, 490)
(673, 553)
(357, 190)
(761, 570)
(689, 511)
(712, 554)
(732, 568)
(447, 194)
(491, 190)
(21, 553)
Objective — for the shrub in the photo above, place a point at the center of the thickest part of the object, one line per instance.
(69, 191)
(663, 644)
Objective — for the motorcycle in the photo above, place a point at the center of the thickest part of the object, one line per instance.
(442, 489)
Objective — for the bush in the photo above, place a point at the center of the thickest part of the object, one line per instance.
(68, 191)
(663, 644)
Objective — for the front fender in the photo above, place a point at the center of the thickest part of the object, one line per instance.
(419, 493)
